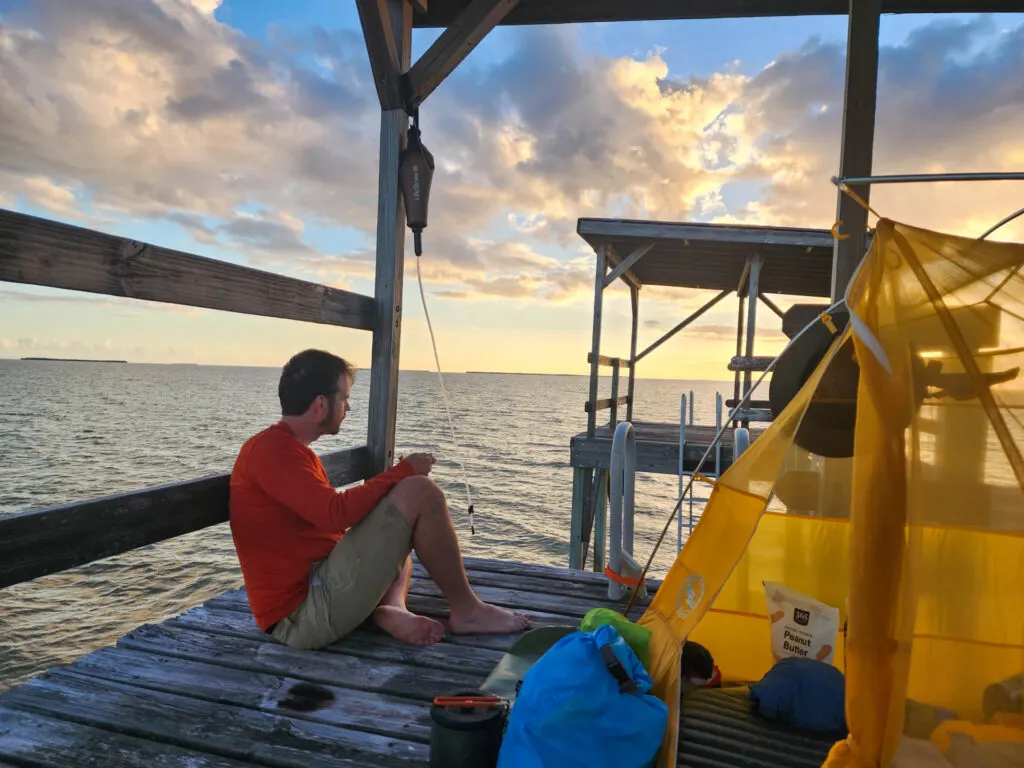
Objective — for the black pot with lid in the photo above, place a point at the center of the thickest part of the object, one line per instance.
(466, 729)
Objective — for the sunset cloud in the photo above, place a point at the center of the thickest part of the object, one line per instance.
(156, 111)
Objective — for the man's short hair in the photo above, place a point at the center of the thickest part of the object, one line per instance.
(308, 375)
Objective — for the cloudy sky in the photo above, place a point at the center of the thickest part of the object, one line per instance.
(247, 130)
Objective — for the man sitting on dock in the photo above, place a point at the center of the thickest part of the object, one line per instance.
(317, 562)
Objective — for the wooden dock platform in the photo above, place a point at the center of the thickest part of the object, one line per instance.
(657, 447)
(208, 689)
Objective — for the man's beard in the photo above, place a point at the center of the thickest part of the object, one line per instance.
(331, 424)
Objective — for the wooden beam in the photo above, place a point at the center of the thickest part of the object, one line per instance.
(420, 6)
(634, 303)
(457, 41)
(626, 263)
(390, 267)
(740, 363)
(858, 138)
(652, 231)
(681, 326)
(605, 403)
(444, 12)
(771, 305)
(744, 281)
(382, 47)
(613, 419)
(752, 294)
(608, 362)
(41, 542)
(36, 251)
(614, 259)
(595, 350)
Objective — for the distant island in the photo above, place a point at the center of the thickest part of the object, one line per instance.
(512, 373)
(72, 360)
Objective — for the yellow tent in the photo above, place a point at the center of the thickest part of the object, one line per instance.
(917, 537)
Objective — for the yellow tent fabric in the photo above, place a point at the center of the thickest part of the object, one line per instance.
(918, 539)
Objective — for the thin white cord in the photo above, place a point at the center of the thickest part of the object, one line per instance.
(444, 395)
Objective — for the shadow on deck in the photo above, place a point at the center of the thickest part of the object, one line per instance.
(208, 689)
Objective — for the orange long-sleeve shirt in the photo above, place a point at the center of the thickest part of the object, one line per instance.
(285, 515)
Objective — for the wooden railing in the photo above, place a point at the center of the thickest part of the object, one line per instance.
(613, 402)
(45, 541)
(37, 251)
(41, 252)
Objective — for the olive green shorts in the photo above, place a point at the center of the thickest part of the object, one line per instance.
(349, 583)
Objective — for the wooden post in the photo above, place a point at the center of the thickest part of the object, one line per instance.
(595, 346)
(390, 265)
(634, 300)
(752, 289)
(600, 520)
(579, 492)
(614, 417)
(857, 137)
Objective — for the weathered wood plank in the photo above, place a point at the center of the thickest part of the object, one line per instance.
(858, 137)
(628, 275)
(681, 325)
(697, 232)
(600, 267)
(457, 41)
(443, 12)
(184, 722)
(634, 304)
(425, 606)
(37, 543)
(385, 65)
(759, 404)
(658, 457)
(514, 570)
(279, 695)
(389, 271)
(624, 265)
(608, 362)
(536, 578)
(571, 608)
(771, 305)
(605, 403)
(421, 683)
(367, 642)
(434, 607)
(32, 740)
(755, 363)
(37, 251)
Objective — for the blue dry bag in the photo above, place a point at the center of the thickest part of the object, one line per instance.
(585, 703)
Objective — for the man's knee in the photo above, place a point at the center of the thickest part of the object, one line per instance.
(417, 495)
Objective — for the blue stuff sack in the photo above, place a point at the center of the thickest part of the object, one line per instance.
(805, 693)
(585, 703)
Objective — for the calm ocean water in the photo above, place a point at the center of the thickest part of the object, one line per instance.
(73, 431)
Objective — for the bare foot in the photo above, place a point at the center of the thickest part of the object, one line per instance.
(487, 619)
(406, 626)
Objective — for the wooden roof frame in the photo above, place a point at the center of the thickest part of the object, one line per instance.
(798, 262)
(442, 13)
(402, 86)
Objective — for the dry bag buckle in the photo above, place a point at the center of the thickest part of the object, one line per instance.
(626, 683)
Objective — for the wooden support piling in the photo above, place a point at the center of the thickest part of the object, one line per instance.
(390, 266)
(858, 137)
(634, 302)
(595, 346)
